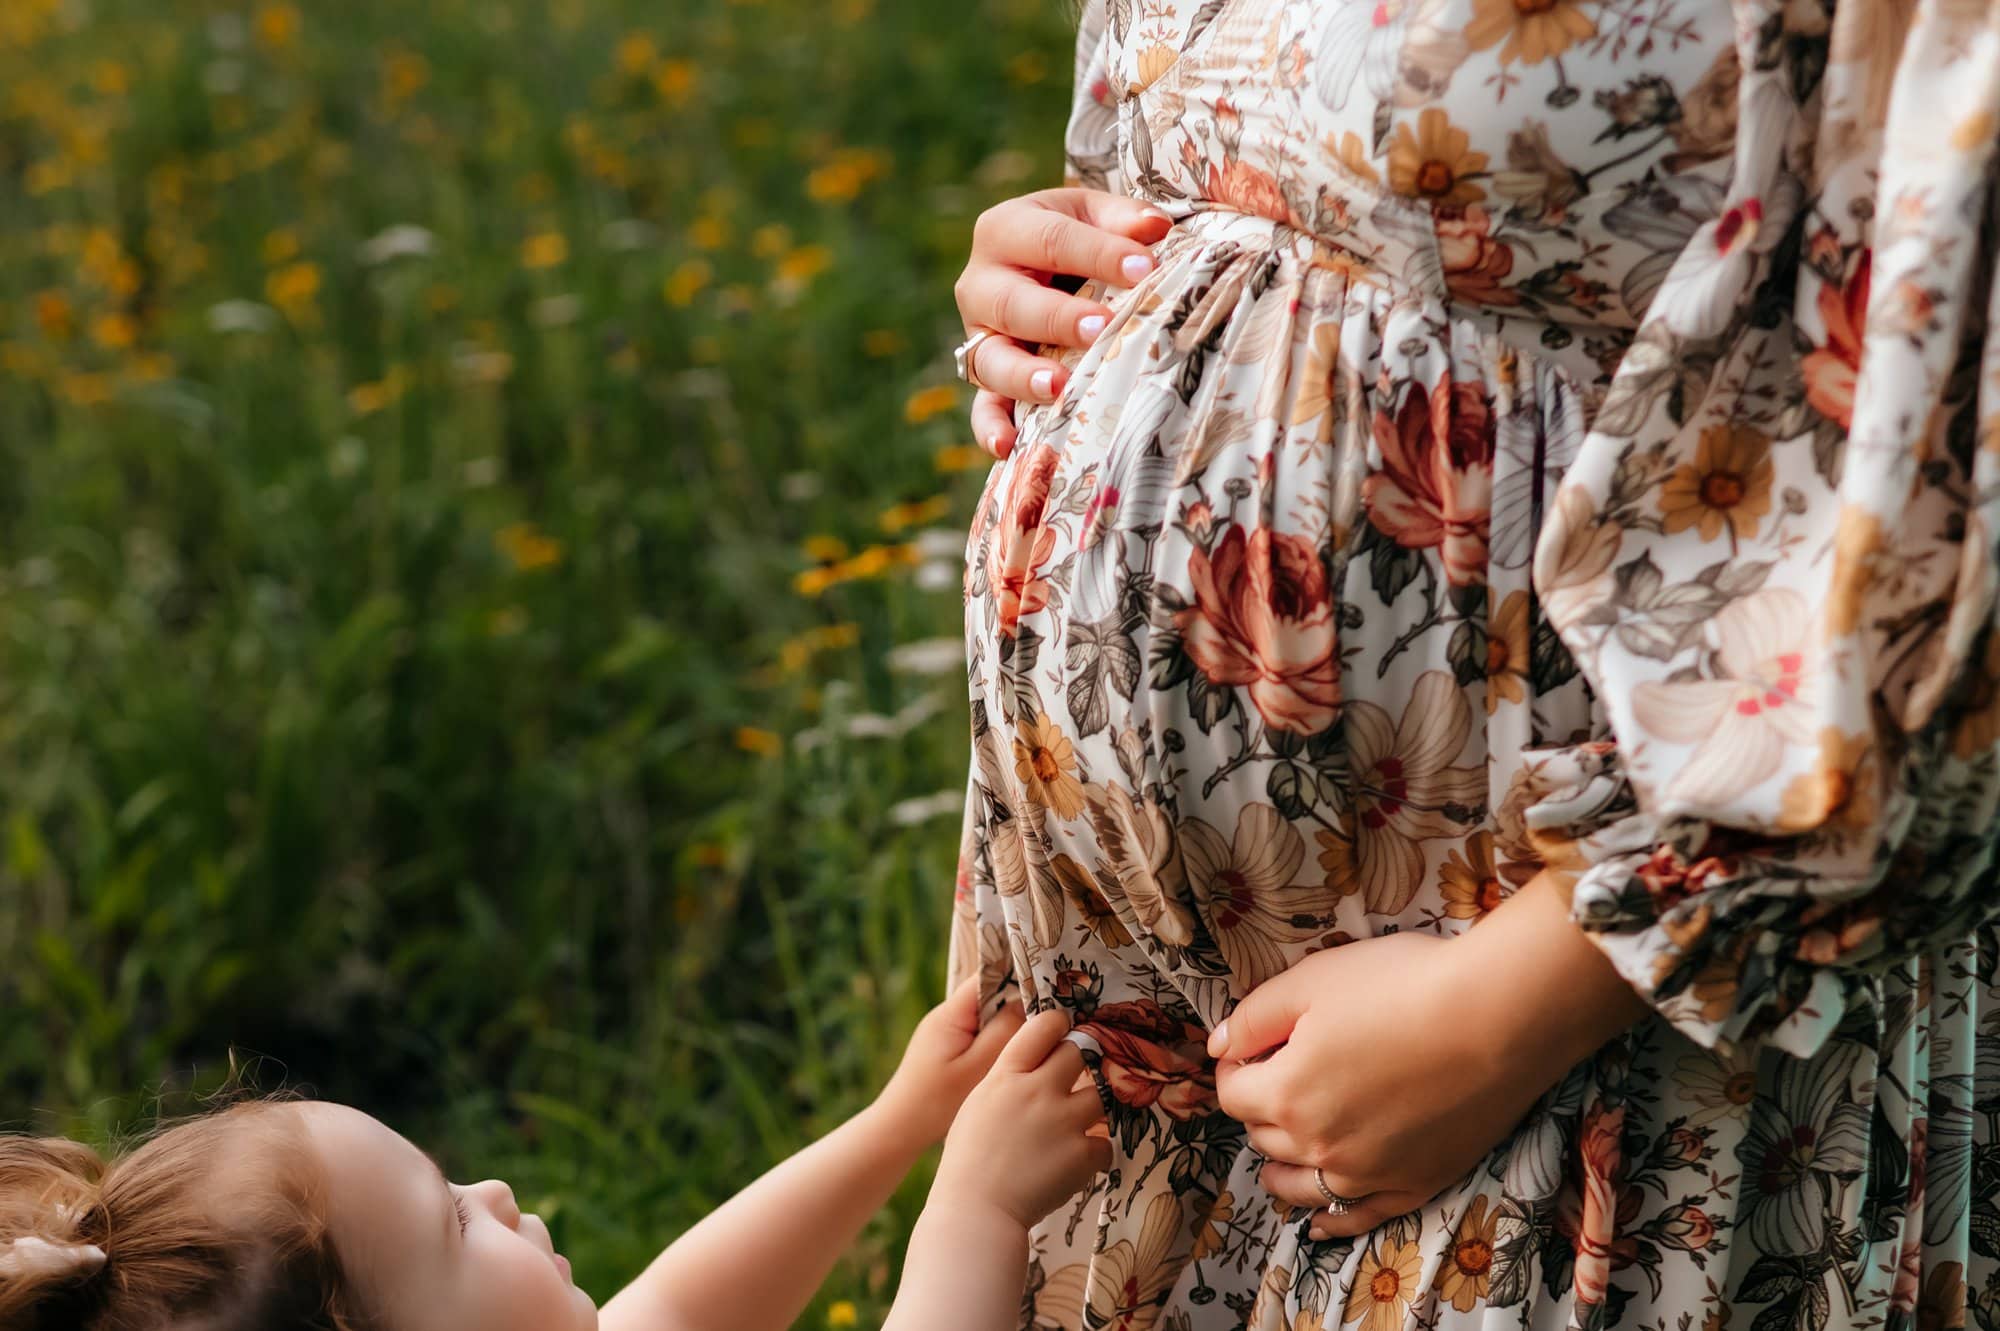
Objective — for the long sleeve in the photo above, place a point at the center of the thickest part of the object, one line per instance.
(1090, 143)
(1774, 558)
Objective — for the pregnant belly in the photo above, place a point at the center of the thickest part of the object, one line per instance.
(1249, 616)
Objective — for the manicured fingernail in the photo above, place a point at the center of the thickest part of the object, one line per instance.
(1044, 383)
(1136, 266)
(1090, 326)
(1218, 1040)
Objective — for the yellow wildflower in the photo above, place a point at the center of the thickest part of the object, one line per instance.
(1027, 68)
(842, 1314)
(115, 331)
(904, 516)
(877, 560)
(367, 399)
(48, 177)
(86, 390)
(110, 79)
(709, 854)
(293, 288)
(881, 343)
(674, 81)
(804, 263)
(825, 549)
(636, 54)
(54, 315)
(768, 242)
(528, 547)
(930, 402)
(404, 74)
(277, 26)
(149, 367)
(687, 281)
(958, 457)
(845, 175)
(764, 743)
(797, 651)
(549, 249)
(506, 621)
(813, 581)
(281, 246)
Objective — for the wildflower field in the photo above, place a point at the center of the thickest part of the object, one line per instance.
(480, 528)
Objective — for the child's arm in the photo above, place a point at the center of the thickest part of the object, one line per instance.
(755, 1263)
(1022, 1145)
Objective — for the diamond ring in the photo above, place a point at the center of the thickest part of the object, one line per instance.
(1335, 1203)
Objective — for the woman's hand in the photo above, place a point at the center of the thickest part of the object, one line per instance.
(1396, 1064)
(947, 1056)
(1023, 1144)
(1018, 246)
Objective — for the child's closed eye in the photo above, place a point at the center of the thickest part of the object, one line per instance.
(464, 1215)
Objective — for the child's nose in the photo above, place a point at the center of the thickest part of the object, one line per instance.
(497, 1197)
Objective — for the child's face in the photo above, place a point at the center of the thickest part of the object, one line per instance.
(431, 1256)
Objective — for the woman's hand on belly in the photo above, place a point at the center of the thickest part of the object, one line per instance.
(1396, 1064)
(1018, 247)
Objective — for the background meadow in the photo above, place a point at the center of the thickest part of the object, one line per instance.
(480, 527)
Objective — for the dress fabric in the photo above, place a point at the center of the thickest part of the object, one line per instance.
(1559, 435)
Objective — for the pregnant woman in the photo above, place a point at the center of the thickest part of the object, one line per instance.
(1486, 698)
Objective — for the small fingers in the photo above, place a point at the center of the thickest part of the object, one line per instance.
(960, 1008)
(1036, 1040)
(1252, 1092)
(1062, 1065)
(1004, 366)
(998, 1030)
(1100, 1153)
(993, 423)
(1086, 1106)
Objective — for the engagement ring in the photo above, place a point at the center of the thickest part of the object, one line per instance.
(1335, 1203)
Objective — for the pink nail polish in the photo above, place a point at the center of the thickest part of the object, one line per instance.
(1136, 266)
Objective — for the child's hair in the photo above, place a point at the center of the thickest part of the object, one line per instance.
(216, 1224)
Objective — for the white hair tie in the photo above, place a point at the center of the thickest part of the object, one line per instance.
(32, 1257)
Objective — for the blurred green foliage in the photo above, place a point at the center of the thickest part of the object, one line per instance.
(466, 468)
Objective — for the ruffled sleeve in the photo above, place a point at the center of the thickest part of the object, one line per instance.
(1090, 144)
(1774, 558)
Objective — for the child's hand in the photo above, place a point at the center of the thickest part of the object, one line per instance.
(946, 1057)
(1022, 1143)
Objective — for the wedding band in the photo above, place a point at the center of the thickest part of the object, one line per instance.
(1335, 1203)
(962, 356)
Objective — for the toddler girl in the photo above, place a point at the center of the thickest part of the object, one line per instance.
(314, 1217)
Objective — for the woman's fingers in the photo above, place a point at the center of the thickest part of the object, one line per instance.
(1087, 1105)
(1016, 303)
(1065, 231)
(1275, 1143)
(1295, 1185)
(1253, 1092)
(1373, 1210)
(993, 422)
(1006, 368)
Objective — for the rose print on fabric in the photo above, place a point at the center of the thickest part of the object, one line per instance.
(1559, 437)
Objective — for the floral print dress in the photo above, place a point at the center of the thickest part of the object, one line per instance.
(1559, 435)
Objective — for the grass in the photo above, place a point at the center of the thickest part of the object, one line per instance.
(466, 467)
